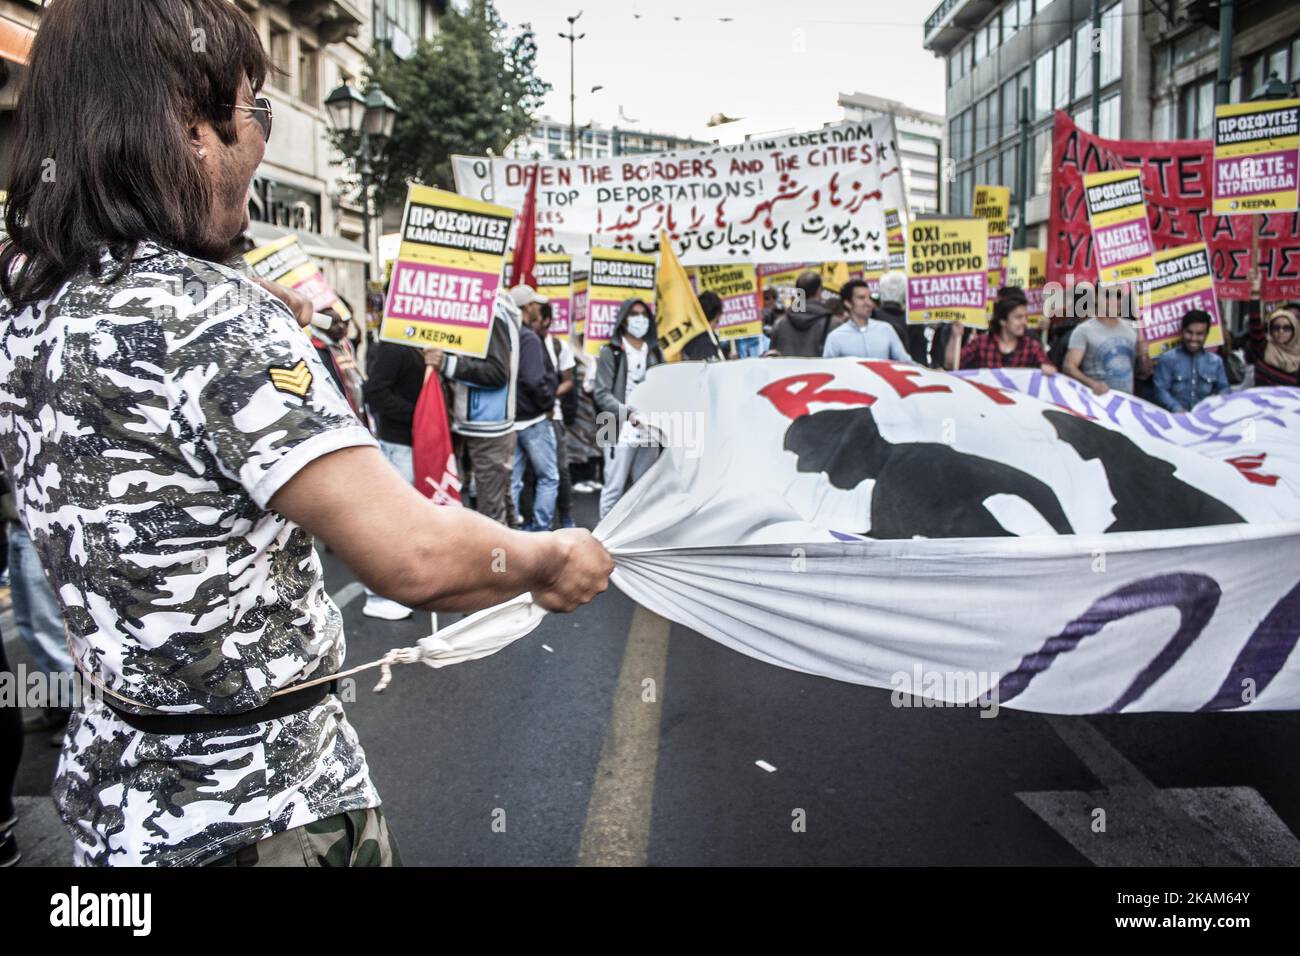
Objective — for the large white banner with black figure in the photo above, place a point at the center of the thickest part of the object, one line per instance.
(995, 537)
(959, 538)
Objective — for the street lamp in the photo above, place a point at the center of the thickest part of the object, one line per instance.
(370, 117)
(1274, 88)
(573, 38)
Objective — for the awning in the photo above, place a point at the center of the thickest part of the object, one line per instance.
(15, 41)
(323, 247)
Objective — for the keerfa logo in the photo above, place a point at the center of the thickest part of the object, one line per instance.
(73, 909)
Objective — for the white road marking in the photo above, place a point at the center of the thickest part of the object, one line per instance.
(1148, 826)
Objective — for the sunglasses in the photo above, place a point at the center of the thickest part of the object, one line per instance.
(262, 113)
(1280, 327)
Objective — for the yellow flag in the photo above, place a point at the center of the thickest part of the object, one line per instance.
(678, 315)
(834, 275)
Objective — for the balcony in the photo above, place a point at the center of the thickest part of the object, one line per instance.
(954, 20)
(333, 20)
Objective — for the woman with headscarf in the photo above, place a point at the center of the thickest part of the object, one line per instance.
(1275, 349)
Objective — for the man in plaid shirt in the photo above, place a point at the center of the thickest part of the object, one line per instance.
(1005, 345)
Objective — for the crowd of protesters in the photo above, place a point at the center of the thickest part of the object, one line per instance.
(228, 457)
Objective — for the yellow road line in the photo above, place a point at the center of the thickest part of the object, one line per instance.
(617, 828)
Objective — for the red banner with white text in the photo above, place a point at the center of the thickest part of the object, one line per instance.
(1177, 177)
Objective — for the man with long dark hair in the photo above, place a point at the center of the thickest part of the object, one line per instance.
(174, 442)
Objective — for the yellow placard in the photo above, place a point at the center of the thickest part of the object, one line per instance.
(1256, 157)
(1122, 247)
(895, 240)
(1184, 281)
(286, 262)
(580, 305)
(993, 204)
(737, 287)
(615, 277)
(554, 274)
(1027, 270)
(947, 271)
(447, 273)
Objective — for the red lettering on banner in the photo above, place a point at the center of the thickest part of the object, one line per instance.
(792, 396)
(900, 378)
(998, 395)
(1249, 466)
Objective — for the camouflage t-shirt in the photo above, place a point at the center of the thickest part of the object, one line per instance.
(145, 425)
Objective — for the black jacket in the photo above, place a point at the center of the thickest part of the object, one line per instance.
(535, 392)
(393, 388)
(803, 333)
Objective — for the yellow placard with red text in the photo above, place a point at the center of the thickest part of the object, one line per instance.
(287, 263)
(447, 272)
(615, 277)
(1256, 157)
(1027, 270)
(1122, 247)
(737, 287)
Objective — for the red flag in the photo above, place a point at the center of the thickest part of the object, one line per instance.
(434, 461)
(525, 260)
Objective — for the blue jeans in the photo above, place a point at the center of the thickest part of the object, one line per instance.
(400, 457)
(536, 445)
(36, 610)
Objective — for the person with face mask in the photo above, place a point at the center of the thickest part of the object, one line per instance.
(138, 367)
(632, 350)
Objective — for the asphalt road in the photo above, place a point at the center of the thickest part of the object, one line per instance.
(610, 736)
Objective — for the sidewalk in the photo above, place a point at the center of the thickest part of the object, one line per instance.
(41, 834)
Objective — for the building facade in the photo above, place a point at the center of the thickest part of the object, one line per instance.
(920, 137)
(1157, 64)
(549, 139)
(301, 186)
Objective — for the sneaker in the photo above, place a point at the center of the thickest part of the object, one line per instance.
(583, 488)
(384, 609)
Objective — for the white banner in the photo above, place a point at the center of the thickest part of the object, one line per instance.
(813, 197)
(1066, 564)
(955, 539)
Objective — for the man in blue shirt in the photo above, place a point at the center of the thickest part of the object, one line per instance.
(859, 336)
(1187, 373)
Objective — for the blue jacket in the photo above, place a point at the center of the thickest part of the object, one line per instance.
(1182, 378)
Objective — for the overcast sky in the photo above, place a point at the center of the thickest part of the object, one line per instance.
(779, 64)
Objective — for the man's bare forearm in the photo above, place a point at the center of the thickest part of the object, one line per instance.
(464, 562)
(403, 546)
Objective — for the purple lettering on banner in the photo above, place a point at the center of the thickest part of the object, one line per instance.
(1001, 378)
(1263, 655)
(1055, 392)
(1152, 420)
(1114, 405)
(1194, 596)
(1184, 421)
